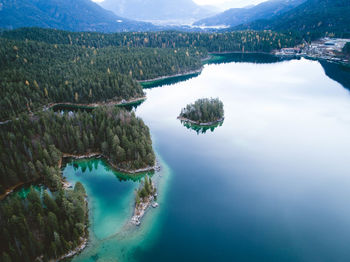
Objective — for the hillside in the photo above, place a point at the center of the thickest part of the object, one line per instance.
(237, 16)
(157, 9)
(316, 16)
(73, 15)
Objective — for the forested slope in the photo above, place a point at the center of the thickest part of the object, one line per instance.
(74, 15)
(212, 42)
(316, 17)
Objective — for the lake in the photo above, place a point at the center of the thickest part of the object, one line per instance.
(270, 184)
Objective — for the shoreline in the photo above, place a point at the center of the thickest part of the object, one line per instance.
(75, 251)
(90, 105)
(198, 71)
(200, 123)
(84, 239)
(141, 208)
(66, 185)
(10, 190)
(315, 58)
(115, 167)
(192, 72)
(240, 52)
(97, 104)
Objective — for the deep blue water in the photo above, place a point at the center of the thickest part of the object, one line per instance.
(270, 184)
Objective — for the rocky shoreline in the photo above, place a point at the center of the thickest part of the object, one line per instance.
(200, 123)
(171, 76)
(84, 240)
(91, 105)
(94, 105)
(141, 208)
(156, 167)
(10, 190)
(75, 251)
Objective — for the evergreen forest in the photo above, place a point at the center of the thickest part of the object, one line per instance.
(204, 111)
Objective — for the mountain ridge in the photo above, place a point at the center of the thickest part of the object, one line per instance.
(311, 17)
(73, 15)
(236, 16)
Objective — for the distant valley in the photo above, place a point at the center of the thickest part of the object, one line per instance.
(158, 10)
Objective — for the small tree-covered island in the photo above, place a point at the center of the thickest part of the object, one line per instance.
(203, 112)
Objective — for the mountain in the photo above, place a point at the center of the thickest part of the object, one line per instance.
(152, 10)
(312, 16)
(237, 16)
(73, 15)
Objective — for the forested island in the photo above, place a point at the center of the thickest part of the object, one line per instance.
(203, 112)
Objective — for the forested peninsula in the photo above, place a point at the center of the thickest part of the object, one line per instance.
(31, 150)
(31, 147)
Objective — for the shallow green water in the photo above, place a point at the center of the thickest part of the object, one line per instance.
(110, 195)
(270, 184)
(24, 191)
(111, 203)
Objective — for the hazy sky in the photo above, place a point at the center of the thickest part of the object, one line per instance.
(222, 3)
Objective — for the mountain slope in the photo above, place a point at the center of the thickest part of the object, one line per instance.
(73, 15)
(156, 9)
(312, 16)
(237, 16)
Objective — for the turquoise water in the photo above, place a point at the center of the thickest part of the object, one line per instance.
(270, 184)
(24, 191)
(111, 203)
(110, 195)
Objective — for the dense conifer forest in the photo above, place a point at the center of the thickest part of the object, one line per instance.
(33, 74)
(31, 147)
(239, 41)
(204, 111)
(42, 225)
